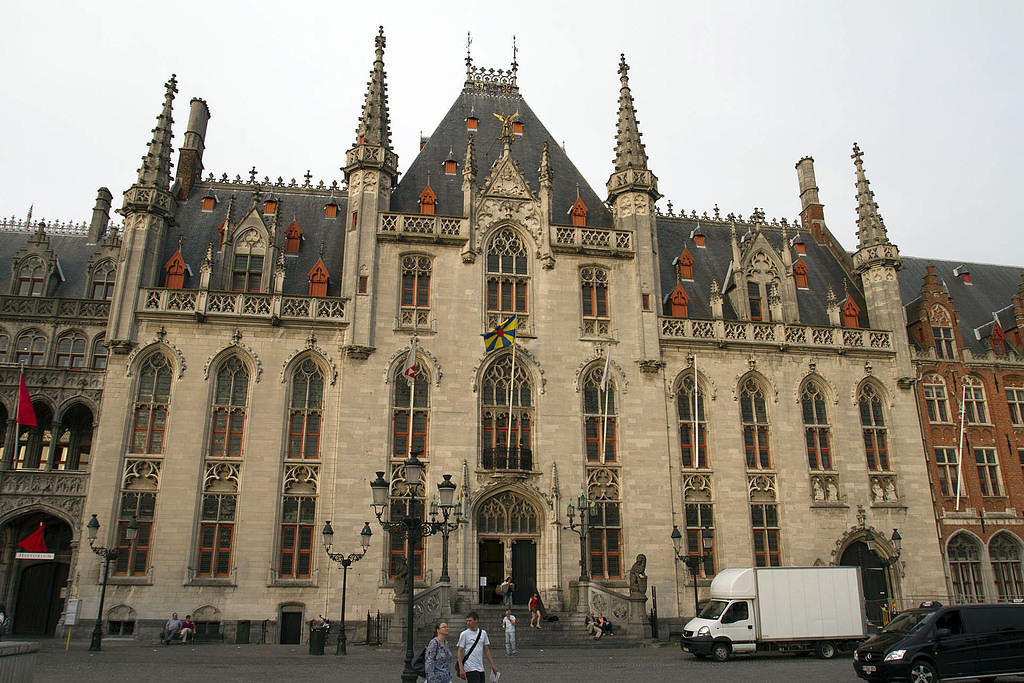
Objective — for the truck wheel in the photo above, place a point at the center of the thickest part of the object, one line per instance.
(826, 650)
(720, 652)
(923, 671)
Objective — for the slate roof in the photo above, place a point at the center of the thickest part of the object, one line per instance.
(713, 260)
(304, 205)
(72, 251)
(991, 290)
(448, 141)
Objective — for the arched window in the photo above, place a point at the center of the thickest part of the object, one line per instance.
(71, 351)
(599, 416)
(506, 445)
(306, 411)
(217, 520)
(935, 399)
(872, 422)
(965, 569)
(298, 521)
(247, 267)
(603, 487)
(816, 429)
(34, 442)
(687, 400)
(151, 399)
(228, 412)
(1006, 565)
(754, 415)
(103, 276)
(942, 333)
(74, 443)
(594, 289)
(30, 349)
(99, 354)
(507, 278)
(974, 401)
(31, 278)
(409, 435)
(416, 273)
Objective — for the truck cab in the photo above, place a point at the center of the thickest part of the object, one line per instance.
(727, 619)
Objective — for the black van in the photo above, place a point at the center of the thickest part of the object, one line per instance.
(950, 643)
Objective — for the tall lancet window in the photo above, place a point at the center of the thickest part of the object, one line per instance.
(693, 436)
(507, 278)
(599, 415)
(506, 416)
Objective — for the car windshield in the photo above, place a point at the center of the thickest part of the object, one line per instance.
(907, 622)
(713, 609)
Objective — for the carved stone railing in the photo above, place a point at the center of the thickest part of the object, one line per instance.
(775, 334)
(592, 240)
(241, 304)
(64, 491)
(395, 225)
(428, 605)
(83, 309)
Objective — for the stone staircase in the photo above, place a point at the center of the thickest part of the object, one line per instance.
(568, 631)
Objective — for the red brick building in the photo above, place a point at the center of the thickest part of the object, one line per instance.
(965, 322)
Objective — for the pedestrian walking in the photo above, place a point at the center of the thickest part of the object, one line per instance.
(473, 647)
(509, 624)
(535, 609)
(507, 587)
(438, 659)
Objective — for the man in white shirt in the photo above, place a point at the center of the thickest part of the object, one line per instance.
(509, 624)
(473, 646)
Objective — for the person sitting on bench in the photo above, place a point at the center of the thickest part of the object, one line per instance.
(188, 629)
(171, 629)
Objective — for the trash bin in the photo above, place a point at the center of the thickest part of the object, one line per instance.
(317, 638)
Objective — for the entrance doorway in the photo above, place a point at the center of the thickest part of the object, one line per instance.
(873, 578)
(492, 567)
(508, 528)
(291, 628)
(524, 570)
(37, 587)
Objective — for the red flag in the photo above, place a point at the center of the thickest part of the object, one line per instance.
(409, 371)
(34, 542)
(26, 416)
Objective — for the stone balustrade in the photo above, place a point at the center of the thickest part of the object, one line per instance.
(241, 304)
(395, 225)
(592, 240)
(79, 309)
(781, 335)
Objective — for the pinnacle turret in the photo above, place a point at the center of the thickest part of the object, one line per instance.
(629, 151)
(156, 165)
(870, 228)
(375, 125)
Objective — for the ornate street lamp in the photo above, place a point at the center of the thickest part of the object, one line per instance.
(108, 555)
(897, 546)
(414, 529)
(446, 492)
(693, 562)
(586, 509)
(345, 561)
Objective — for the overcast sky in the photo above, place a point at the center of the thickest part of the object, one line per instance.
(729, 96)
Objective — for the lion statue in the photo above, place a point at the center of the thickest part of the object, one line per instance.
(400, 582)
(637, 577)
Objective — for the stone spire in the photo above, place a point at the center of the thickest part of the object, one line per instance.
(156, 165)
(469, 163)
(873, 245)
(546, 172)
(631, 173)
(375, 124)
(629, 151)
(870, 228)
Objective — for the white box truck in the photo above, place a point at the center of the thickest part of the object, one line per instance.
(790, 609)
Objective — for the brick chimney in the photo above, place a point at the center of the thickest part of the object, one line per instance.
(190, 156)
(812, 212)
(100, 215)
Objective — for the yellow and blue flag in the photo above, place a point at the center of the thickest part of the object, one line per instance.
(501, 336)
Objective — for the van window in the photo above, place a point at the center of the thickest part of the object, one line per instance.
(996, 619)
(712, 610)
(950, 620)
(737, 612)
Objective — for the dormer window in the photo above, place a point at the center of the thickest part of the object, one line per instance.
(318, 279)
(851, 313)
(427, 200)
(801, 248)
(679, 301)
(962, 273)
(472, 122)
(700, 240)
(755, 298)
(684, 265)
(800, 274)
(292, 238)
(449, 167)
(998, 339)
(208, 203)
(174, 272)
(269, 207)
(331, 211)
(31, 278)
(578, 213)
(517, 127)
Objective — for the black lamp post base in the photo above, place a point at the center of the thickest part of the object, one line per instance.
(95, 642)
(342, 648)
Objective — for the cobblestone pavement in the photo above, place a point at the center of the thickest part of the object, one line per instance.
(132, 661)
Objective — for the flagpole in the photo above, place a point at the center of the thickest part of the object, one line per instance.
(604, 424)
(960, 451)
(511, 384)
(696, 422)
(412, 401)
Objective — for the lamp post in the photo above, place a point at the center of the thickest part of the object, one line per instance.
(345, 561)
(414, 529)
(444, 526)
(586, 509)
(108, 555)
(693, 562)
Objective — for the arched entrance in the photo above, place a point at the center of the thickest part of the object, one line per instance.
(508, 530)
(36, 587)
(874, 577)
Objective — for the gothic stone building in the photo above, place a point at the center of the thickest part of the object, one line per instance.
(258, 332)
